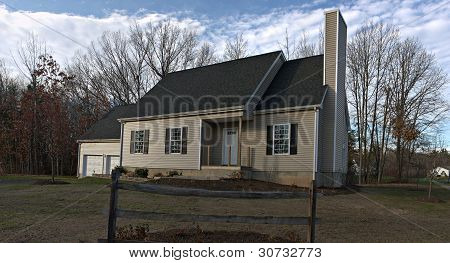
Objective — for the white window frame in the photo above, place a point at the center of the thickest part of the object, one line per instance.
(135, 141)
(170, 140)
(288, 139)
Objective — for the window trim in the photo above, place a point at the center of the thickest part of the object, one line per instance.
(288, 139)
(134, 142)
(170, 139)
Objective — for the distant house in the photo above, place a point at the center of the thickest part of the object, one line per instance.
(263, 116)
(442, 171)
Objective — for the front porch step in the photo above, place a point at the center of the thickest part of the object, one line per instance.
(221, 167)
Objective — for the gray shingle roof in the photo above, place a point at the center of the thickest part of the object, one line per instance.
(231, 83)
(219, 85)
(108, 127)
(297, 83)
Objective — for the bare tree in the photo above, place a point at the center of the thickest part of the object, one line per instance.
(288, 46)
(27, 59)
(369, 55)
(416, 82)
(302, 46)
(306, 47)
(205, 55)
(28, 54)
(9, 94)
(167, 47)
(87, 88)
(120, 64)
(236, 48)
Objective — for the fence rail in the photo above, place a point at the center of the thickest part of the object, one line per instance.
(180, 191)
(212, 218)
(114, 212)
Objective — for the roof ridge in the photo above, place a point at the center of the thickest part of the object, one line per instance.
(297, 59)
(223, 62)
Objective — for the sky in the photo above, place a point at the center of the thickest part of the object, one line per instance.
(69, 26)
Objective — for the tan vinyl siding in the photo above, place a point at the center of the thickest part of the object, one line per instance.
(320, 141)
(156, 157)
(254, 136)
(327, 128)
(97, 148)
(341, 124)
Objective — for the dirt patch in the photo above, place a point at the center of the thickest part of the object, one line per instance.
(394, 185)
(227, 184)
(431, 200)
(343, 217)
(243, 185)
(49, 182)
(197, 235)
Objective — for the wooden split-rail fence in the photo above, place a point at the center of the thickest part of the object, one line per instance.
(115, 212)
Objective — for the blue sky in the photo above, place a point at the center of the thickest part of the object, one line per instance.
(263, 23)
(212, 9)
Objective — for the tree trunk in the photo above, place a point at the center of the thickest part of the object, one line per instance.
(53, 172)
(429, 188)
(399, 160)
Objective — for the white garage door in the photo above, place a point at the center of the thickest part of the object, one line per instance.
(111, 163)
(92, 165)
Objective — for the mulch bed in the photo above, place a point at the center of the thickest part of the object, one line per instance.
(241, 185)
(226, 184)
(196, 235)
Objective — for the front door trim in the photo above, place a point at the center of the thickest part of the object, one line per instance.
(233, 144)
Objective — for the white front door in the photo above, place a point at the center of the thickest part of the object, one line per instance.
(230, 143)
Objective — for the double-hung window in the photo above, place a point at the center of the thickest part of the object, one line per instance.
(281, 138)
(175, 140)
(139, 142)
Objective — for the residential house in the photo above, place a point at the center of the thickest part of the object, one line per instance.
(441, 171)
(263, 116)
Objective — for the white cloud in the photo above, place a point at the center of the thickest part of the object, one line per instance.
(426, 20)
(64, 34)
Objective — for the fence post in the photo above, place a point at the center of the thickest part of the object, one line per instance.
(249, 163)
(229, 155)
(209, 153)
(312, 213)
(113, 205)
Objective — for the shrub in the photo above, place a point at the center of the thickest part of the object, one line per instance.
(172, 173)
(159, 174)
(141, 172)
(237, 175)
(121, 169)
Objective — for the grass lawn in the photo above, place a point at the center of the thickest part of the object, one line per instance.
(34, 212)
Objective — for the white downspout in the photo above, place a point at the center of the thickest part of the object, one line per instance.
(200, 146)
(78, 165)
(121, 143)
(316, 142)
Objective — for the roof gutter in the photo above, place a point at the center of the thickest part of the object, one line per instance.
(184, 114)
(288, 109)
(98, 140)
(296, 108)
